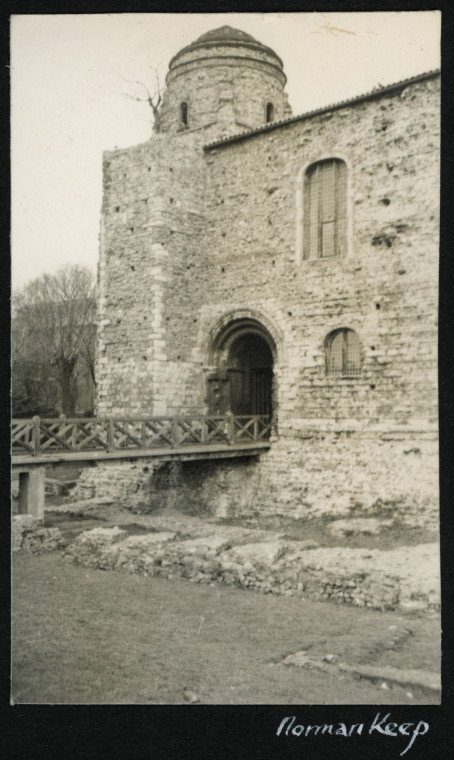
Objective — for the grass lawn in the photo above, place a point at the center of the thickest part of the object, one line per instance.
(88, 636)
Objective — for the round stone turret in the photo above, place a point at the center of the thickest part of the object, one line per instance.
(224, 82)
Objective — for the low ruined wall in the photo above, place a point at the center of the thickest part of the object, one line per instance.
(372, 578)
(406, 577)
(29, 535)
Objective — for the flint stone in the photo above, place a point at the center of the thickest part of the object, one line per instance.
(309, 544)
(151, 539)
(259, 554)
(26, 523)
(206, 546)
(303, 659)
(21, 526)
(102, 536)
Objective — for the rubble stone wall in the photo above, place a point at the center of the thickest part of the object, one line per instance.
(153, 218)
(190, 237)
(372, 578)
(29, 535)
(298, 478)
(385, 288)
(168, 274)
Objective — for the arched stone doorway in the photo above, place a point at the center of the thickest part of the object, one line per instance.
(244, 354)
(250, 375)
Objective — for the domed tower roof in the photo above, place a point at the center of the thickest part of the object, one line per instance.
(224, 81)
(226, 35)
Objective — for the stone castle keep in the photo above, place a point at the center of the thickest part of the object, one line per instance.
(258, 262)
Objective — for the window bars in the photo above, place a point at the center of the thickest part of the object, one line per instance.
(343, 356)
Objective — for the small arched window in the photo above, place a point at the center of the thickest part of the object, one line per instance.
(184, 114)
(325, 209)
(343, 354)
(269, 116)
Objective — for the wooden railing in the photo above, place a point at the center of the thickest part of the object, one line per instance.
(39, 436)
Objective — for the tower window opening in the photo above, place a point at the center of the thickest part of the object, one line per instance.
(269, 113)
(184, 114)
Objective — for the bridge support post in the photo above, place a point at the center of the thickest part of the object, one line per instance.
(31, 492)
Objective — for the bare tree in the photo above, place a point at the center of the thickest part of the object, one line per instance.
(54, 326)
(154, 100)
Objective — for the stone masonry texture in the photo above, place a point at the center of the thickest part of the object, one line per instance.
(201, 231)
(406, 578)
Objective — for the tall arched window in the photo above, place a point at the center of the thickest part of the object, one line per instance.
(269, 116)
(184, 114)
(342, 353)
(325, 209)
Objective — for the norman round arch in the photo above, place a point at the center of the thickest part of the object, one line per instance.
(243, 318)
(244, 349)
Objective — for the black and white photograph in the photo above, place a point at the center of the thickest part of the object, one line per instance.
(224, 329)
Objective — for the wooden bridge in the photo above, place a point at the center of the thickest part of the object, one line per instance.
(36, 442)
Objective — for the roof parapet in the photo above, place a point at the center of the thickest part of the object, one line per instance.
(377, 92)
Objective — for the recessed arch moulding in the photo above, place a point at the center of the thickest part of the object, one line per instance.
(243, 349)
(235, 322)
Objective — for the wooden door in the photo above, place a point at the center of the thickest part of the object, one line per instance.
(239, 391)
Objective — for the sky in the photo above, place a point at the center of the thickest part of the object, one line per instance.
(73, 90)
